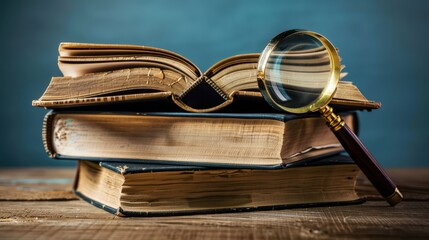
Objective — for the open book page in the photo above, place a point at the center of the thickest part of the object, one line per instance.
(77, 59)
(129, 81)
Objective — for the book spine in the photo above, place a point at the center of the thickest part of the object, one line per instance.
(47, 134)
(190, 88)
(210, 82)
(216, 88)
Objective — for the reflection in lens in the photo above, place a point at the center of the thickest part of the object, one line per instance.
(297, 71)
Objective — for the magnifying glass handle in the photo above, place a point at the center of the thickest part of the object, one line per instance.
(362, 157)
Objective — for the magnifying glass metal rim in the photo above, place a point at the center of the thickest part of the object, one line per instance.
(329, 90)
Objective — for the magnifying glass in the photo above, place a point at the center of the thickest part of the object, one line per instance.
(298, 72)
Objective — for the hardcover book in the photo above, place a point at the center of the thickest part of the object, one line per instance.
(208, 139)
(97, 74)
(129, 189)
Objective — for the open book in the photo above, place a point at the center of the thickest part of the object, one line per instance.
(109, 73)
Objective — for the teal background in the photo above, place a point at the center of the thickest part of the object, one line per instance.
(384, 45)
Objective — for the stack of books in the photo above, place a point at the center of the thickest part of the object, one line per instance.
(153, 135)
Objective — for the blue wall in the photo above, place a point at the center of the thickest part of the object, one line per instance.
(383, 43)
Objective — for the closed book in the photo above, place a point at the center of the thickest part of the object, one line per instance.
(204, 139)
(130, 189)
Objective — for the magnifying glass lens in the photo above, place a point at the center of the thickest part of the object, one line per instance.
(297, 70)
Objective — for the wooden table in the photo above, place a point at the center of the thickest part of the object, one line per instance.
(39, 204)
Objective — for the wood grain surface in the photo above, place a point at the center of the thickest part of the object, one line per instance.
(28, 212)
